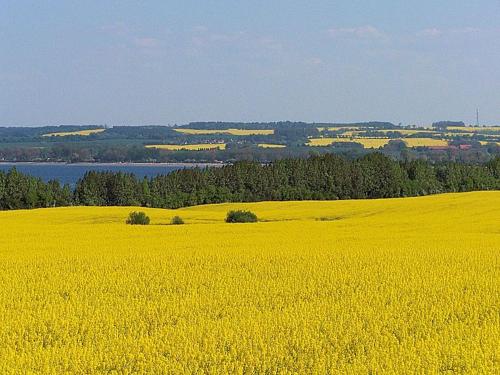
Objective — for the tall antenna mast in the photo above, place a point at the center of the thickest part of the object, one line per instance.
(477, 117)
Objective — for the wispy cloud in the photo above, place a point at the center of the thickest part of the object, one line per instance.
(435, 32)
(361, 32)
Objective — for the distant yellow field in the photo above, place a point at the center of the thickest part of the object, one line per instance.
(351, 133)
(194, 147)
(485, 142)
(394, 286)
(473, 129)
(323, 141)
(271, 145)
(424, 142)
(378, 142)
(80, 132)
(366, 142)
(226, 131)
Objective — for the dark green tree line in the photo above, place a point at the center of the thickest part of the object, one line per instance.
(21, 191)
(325, 177)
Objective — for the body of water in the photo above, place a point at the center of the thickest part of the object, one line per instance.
(70, 173)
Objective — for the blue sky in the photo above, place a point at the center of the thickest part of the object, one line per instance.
(164, 62)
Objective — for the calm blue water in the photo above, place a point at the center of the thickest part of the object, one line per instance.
(70, 173)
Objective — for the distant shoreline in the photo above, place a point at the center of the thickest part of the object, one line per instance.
(181, 164)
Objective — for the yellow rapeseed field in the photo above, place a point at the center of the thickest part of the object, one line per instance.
(424, 142)
(366, 142)
(226, 131)
(79, 132)
(271, 145)
(381, 286)
(378, 142)
(474, 129)
(193, 147)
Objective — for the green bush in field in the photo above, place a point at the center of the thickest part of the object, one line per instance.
(137, 218)
(241, 217)
(176, 220)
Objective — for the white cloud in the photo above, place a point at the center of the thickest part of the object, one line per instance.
(361, 32)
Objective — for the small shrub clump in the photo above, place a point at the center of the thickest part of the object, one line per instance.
(138, 218)
(241, 217)
(176, 220)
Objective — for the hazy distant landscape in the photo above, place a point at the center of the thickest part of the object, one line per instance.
(218, 142)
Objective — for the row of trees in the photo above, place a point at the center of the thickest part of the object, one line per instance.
(319, 177)
(18, 191)
(108, 153)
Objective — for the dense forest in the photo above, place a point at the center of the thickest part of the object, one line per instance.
(325, 177)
